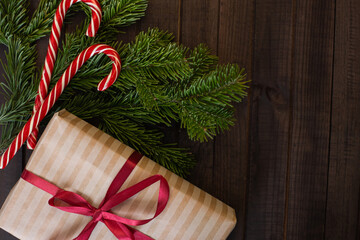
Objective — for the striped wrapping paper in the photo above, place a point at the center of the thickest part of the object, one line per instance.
(78, 157)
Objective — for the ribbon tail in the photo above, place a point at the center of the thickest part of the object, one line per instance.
(140, 236)
(119, 230)
(124, 232)
(86, 232)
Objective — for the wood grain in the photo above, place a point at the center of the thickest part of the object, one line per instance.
(231, 148)
(344, 179)
(270, 120)
(200, 23)
(169, 12)
(312, 86)
(162, 14)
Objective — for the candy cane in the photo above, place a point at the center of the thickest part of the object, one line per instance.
(58, 89)
(53, 48)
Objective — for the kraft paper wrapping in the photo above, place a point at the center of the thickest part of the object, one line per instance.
(78, 157)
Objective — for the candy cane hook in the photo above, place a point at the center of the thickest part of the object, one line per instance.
(58, 89)
(53, 48)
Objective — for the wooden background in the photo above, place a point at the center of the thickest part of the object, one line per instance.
(291, 165)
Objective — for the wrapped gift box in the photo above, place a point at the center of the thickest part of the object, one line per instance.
(78, 157)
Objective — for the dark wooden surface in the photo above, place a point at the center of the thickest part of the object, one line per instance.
(291, 165)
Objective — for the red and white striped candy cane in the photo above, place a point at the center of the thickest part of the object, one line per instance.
(53, 48)
(58, 89)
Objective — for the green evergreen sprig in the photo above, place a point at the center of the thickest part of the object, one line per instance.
(160, 83)
(39, 25)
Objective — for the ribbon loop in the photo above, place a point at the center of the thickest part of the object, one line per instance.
(71, 202)
(131, 191)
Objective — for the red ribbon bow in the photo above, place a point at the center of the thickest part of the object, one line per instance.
(116, 224)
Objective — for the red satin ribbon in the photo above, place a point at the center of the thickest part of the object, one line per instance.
(116, 224)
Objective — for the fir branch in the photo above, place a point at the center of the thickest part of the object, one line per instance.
(41, 21)
(20, 69)
(201, 61)
(116, 15)
(203, 122)
(146, 91)
(96, 104)
(19, 88)
(206, 104)
(122, 13)
(13, 17)
(222, 86)
(163, 63)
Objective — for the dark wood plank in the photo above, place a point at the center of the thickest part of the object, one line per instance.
(311, 89)
(199, 24)
(231, 148)
(270, 120)
(162, 14)
(344, 176)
